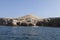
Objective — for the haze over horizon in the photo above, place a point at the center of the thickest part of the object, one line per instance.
(41, 8)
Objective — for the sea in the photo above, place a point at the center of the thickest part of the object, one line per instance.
(29, 33)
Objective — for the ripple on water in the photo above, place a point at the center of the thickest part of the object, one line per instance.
(29, 33)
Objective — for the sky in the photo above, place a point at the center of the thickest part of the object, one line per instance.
(41, 8)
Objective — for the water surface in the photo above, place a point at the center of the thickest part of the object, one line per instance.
(29, 33)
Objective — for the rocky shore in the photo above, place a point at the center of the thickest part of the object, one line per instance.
(30, 20)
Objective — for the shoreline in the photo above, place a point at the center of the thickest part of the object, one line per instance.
(30, 20)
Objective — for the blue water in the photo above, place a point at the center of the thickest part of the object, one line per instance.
(29, 33)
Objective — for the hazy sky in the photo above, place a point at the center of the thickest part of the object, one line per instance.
(42, 8)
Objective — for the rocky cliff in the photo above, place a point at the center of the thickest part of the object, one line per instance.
(30, 20)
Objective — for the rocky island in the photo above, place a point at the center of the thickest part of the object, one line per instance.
(30, 20)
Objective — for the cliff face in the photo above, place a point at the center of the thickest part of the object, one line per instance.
(54, 22)
(30, 20)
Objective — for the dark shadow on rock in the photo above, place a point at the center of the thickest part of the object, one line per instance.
(30, 24)
(39, 23)
(24, 24)
(18, 23)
